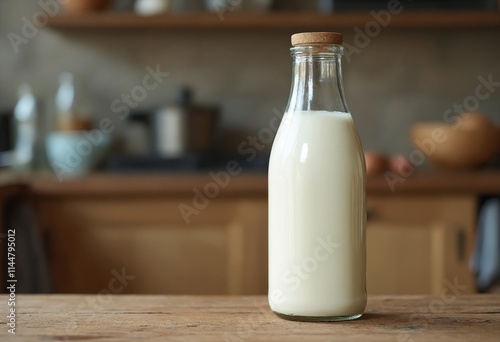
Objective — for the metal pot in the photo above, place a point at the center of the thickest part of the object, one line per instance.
(182, 128)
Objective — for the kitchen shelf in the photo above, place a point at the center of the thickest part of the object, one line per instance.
(46, 185)
(274, 20)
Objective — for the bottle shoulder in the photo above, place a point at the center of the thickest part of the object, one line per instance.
(317, 140)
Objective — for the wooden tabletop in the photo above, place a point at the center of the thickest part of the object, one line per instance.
(222, 318)
(245, 184)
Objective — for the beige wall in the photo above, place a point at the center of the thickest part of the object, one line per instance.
(403, 76)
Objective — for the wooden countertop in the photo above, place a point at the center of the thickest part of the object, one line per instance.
(478, 182)
(200, 318)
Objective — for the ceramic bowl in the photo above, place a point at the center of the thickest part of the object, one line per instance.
(72, 154)
(236, 5)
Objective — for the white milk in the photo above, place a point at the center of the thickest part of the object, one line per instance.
(317, 217)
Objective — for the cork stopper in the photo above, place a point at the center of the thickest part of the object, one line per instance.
(311, 38)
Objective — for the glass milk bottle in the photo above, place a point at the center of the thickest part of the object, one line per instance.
(317, 215)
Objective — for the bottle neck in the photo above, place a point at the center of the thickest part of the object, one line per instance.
(317, 79)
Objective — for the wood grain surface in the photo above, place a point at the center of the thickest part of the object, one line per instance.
(274, 20)
(102, 185)
(451, 317)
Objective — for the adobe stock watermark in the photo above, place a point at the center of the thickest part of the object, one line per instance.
(292, 278)
(75, 155)
(151, 80)
(426, 147)
(30, 28)
(372, 29)
(223, 6)
(298, 273)
(249, 149)
(449, 294)
(116, 285)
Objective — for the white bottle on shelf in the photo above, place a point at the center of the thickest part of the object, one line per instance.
(25, 115)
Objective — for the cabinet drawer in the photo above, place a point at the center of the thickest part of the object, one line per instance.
(415, 243)
(223, 250)
(455, 209)
(416, 259)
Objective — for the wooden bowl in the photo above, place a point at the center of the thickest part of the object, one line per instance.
(468, 144)
(78, 6)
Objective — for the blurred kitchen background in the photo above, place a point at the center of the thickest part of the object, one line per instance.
(136, 198)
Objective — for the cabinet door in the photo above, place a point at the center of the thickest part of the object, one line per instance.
(420, 241)
(221, 251)
(415, 259)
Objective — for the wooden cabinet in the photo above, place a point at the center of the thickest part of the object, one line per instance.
(417, 241)
(419, 244)
(415, 244)
(222, 251)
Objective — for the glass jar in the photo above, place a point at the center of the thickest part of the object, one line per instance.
(317, 215)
